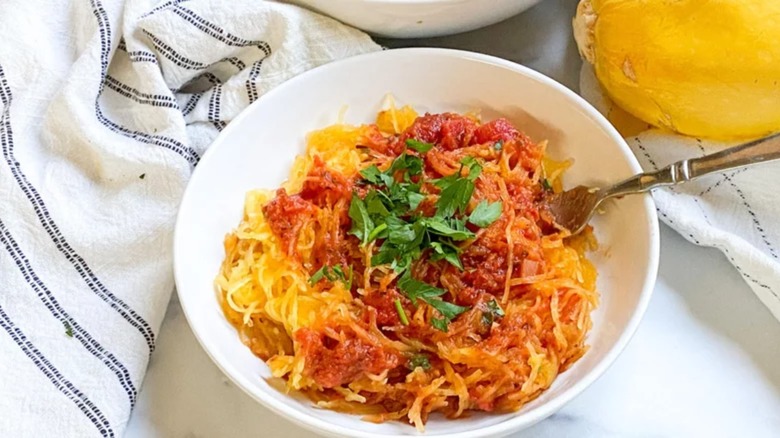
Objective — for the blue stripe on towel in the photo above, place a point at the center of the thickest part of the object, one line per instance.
(104, 28)
(55, 377)
(51, 303)
(51, 228)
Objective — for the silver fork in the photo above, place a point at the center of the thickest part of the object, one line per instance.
(573, 208)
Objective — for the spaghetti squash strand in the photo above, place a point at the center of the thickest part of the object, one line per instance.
(527, 289)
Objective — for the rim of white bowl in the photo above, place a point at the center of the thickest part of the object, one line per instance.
(412, 1)
(511, 423)
(406, 1)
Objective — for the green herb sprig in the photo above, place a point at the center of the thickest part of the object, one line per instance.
(493, 311)
(388, 212)
(418, 290)
(68, 329)
(419, 361)
(332, 274)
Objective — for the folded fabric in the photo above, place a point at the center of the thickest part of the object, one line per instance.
(105, 108)
(735, 211)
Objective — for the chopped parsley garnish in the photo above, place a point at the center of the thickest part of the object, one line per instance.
(361, 222)
(418, 290)
(440, 324)
(495, 309)
(371, 174)
(142, 176)
(448, 252)
(389, 213)
(546, 184)
(68, 329)
(419, 361)
(493, 312)
(332, 274)
(418, 146)
(401, 313)
(456, 190)
(485, 214)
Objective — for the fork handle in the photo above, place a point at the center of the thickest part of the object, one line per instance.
(757, 151)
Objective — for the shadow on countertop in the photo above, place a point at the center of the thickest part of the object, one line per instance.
(540, 38)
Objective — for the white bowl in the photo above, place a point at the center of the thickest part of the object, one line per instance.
(258, 147)
(417, 18)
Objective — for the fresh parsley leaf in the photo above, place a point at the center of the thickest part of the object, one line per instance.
(405, 196)
(404, 260)
(361, 222)
(371, 174)
(438, 248)
(317, 276)
(387, 254)
(401, 235)
(485, 214)
(414, 199)
(448, 310)
(452, 228)
(400, 232)
(455, 197)
(374, 204)
(418, 146)
(468, 161)
(68, 329)
(419, 361)
(446, 251)
(409, 164)
(453, 258)
(399, 256)
(348, 282)
(401, 312)
(546, 184)
(336, 273)
(414, 165)
(456, 191)
(378, 232)
(386, 199)
(419, 235)
(473, 166)
(493, 311)
(440, 324)
(388, 212)
(418, 290)
(415, 289)
(446, 181)
(387, 179)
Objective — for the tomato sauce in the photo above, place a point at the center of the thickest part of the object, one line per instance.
(324, 187)
(331, 363)
(485, 261)
(286, 215)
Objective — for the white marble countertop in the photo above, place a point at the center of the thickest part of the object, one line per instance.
(705, 361)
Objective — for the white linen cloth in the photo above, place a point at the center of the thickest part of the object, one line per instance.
(737, 211)
(105, 107)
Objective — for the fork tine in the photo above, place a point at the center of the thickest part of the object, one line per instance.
(573, 208)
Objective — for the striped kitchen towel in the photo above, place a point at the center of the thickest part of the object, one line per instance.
(736, 211)
(105, 108)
